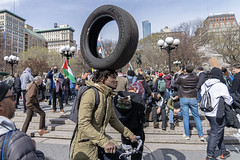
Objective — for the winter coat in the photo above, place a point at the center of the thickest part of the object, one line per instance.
(32, 95)
(227, 111)
(21, 147)
(26, 78)
(91, 128)
(134, 117)
(217, 90)
(168, 79)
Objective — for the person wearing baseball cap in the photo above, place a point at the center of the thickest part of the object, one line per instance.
(21, 146)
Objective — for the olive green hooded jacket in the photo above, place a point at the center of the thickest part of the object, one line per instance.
(91, 129)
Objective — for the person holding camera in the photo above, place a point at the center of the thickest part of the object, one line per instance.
(56, 87)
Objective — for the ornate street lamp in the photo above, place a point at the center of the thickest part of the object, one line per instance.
(11, 60)
(67, 51)
(169, 44)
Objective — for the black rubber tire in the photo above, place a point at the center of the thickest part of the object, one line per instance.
(127, 40)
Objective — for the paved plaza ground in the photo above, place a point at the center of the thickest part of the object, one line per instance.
(58, 149)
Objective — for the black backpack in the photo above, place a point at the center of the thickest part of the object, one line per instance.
(75, 108)
(206, 102)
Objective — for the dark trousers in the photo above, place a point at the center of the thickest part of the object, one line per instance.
(66, 95)
(163, 114)
(216, 136)
(18, 92)
(56, 95)
(30, 111)
(138, 132)
(24, 99)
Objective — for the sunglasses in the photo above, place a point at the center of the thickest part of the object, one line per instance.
(13, 97)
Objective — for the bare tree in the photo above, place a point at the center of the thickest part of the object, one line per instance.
(108, 46)
(227, 44)
(187, 51)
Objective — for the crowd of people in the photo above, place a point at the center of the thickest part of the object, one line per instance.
(129, 102)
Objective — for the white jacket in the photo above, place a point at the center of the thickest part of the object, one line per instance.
(216, 91)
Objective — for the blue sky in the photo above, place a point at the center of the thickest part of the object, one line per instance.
(42, 14)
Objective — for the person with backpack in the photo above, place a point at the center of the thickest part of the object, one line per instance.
(215, 89)
(160, 85)
(187, 93)
(14, 143)
(90, 140)
(25, 78)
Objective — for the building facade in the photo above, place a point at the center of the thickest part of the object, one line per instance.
(33, 39)
(216, 25)
(12, 27)
(146, 26)
(58, 36)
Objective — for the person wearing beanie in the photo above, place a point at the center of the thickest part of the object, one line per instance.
(216, 88)
(21, 146)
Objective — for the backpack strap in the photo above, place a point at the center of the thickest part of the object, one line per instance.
(6, 141)
(97, 101)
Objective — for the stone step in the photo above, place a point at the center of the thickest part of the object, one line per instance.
(160, 139)
(109, 129)
(63, 119)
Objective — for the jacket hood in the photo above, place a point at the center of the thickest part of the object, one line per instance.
(6, 125)
(211, 81)
(27, 70)
(100, 86)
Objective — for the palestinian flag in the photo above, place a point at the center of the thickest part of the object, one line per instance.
(68, 72)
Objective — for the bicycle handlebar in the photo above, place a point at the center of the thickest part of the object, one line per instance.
(128, 148)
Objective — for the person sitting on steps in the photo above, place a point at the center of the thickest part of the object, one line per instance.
(157, 102)
(174, 109)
